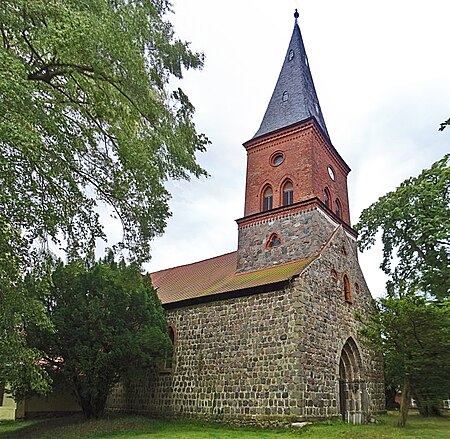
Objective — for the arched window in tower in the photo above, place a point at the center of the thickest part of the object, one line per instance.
(327, 198)
(288, 193)
(338, 208)
(273, 241)
(347, 290)
(268, 199)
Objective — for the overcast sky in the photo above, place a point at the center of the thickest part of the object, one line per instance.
(382, 75)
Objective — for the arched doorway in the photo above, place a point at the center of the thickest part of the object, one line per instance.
(353, 401)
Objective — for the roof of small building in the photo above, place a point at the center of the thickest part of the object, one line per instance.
(294, 98)
(217, 276)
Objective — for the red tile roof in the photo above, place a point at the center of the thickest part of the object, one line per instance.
(218, 275)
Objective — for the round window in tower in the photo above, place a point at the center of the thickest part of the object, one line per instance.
(276, 159)
(331, 173)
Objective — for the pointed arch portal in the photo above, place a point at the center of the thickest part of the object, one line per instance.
(353, 399)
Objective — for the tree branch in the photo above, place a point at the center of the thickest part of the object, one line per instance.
(415, 334)
(48, 71)
(28, 42)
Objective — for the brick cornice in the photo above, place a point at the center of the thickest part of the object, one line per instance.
(280, 138)
(294, 131)
(293, 209)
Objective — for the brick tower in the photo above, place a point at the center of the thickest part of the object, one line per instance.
(296, 185)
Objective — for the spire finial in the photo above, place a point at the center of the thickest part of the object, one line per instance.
(296, 15)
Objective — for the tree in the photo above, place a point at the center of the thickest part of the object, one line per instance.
(415, 342)
(19, 363)
(88, 118)
(414, 318)
(414, 221)
(109, 324)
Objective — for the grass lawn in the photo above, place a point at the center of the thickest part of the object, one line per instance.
(138, 427)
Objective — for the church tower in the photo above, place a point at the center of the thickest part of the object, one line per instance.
(267, 334)
(296, 184)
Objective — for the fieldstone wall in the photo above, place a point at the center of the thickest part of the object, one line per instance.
(303, 234)
(269, 358)
(328, 322)
(233, 362)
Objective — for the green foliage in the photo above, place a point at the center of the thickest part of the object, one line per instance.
(414, 318)
(19, 366)
(108, 323)
(415, 341)
(87, 117)
(415, 222)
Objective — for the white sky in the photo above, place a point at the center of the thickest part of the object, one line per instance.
(382, 74)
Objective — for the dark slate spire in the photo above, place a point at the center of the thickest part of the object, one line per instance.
(294, 98)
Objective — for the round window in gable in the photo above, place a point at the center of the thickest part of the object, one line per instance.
(277, 159)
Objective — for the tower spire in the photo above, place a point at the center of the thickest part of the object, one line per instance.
(294, 98)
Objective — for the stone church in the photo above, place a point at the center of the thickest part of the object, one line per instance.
(267, 334)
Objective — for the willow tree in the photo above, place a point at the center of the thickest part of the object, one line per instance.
(87, 117)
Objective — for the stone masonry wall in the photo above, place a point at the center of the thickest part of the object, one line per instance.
(234, 361)
(302, 234)
(328, 321)
(268, 358)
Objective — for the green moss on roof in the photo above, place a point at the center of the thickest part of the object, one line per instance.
(218, 275)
